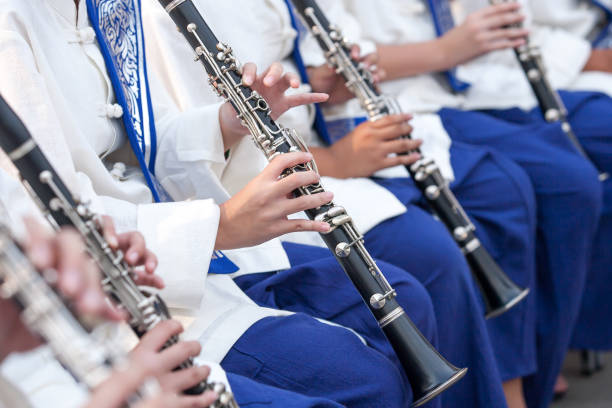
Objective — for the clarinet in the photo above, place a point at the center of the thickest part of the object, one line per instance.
(428, 372)
(529, 57)
(498, 291)
(61, 208)
(88, 359)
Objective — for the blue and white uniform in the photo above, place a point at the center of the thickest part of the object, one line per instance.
(565, 185)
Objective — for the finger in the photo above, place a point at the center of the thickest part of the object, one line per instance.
(199, 401)
(182, 380)
(393, 132)
(503, 20)
(38, 245)
(506, 33)
(150, 262)
(355, 52)
(156, 337)
(91, 301)
(504, 44)
(142, 278)
(284, 161)
(249, 73)
(402, 160)
(371, 59)
(292, 182)
(391, 120)
(305, 99)
(303, 203)
(71, 263)
(500, 9)
(273, 74)
(293, 80)
(134, 246)
(173, 356)
(288, 226)
(401, 146)
(117, 389)
(108, 231)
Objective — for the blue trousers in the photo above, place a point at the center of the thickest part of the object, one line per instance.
(499, 199)
(300, 354)
(568, 197)
(590, 114)
(251, 394)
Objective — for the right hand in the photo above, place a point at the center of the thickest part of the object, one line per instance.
(146, 361)
(259, 211)
(484, 31)
(370, 146)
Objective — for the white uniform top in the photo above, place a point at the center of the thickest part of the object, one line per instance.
(492, 76)
(69, 108)
(260, 32)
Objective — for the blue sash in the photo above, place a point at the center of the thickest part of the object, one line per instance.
(604, 38)
(444, 22)
(118, 28)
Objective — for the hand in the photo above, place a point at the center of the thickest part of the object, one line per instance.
(369, 148)
(272, 85)
(599, 60)
(259, 211)
(132, 244)
(324, 78)
(78, 281)
(484, 31)
(147, 361)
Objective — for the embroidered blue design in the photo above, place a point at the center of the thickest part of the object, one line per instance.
(118, 28)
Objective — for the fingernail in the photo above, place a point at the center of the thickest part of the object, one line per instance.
(328, 195)
(71, 281)
(132, 257)
(40, 255)
(151, 265)
(92, 301)
(325, 227)
(112, 241)
(268, 81)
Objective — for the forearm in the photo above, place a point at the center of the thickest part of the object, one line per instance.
(411, 59)
(599, 60)
(327, 162)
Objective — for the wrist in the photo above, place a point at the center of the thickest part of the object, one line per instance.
(445, 53)
(232, 129)
(329, 162)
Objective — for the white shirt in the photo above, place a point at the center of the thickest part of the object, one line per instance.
(260, 32)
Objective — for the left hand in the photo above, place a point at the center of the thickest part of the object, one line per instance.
(272, 85)
(136, 254)
(325, 79)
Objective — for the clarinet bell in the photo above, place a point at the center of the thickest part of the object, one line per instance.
(500, 294)
(428, 372)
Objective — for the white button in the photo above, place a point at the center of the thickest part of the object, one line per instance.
(86, 35)
(114, 111)
(118, 171)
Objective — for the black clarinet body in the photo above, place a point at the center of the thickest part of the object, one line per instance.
(552, 106)
(498, 291)
(61, 208)
(428, 372)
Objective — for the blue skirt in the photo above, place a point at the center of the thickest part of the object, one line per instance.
(568, 197)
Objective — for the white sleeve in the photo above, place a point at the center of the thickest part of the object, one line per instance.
(337, 15)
